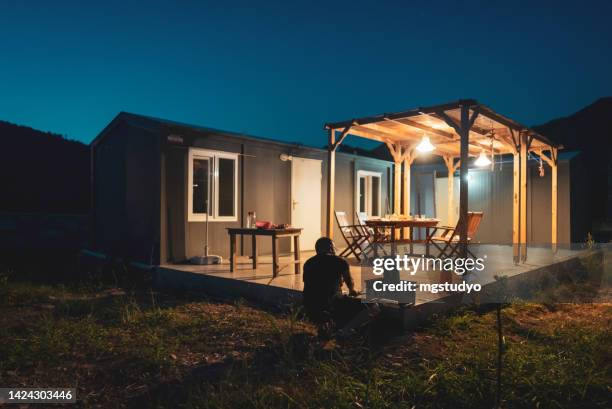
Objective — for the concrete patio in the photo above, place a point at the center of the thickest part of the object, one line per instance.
(259, 284)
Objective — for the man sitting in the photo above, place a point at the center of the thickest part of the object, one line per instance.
(324, 274)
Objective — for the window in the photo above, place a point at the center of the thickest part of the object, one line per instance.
(212, 175)
(368, 193)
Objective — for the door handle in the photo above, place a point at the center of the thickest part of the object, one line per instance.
(293, 203)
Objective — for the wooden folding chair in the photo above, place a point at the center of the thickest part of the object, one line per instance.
(356, 238)
(376, 236)
(448, 240)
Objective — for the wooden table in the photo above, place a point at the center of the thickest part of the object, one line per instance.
(411, 224)
(275, 234)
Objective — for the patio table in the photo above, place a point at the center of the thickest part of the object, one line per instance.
(411, 224)
(274, 234)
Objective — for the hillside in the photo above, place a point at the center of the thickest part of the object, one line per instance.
(589, 131)
(42, 171)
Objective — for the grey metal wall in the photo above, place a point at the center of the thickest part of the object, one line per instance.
(264, 185)
(109, 191)
(140, 194)
(126, 194)
(491, 193)
(347, 167)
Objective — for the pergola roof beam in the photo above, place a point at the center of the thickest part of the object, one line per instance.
(442, 108)
(390, 135)
(405, 122)
(367, 133)
(515, 125)
(343, 136)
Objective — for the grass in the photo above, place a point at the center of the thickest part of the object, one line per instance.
(143, 349)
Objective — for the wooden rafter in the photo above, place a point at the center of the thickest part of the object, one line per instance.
(451, 165)
(405, 122)
(432, 112)
(388, 136)
(510, 141)
(458, 129)
(444, 144)
(540, 153)
(450, 121)
(408, 156)
(343, 135)
(400, 153)
(390, 132)
(393, 151)
(483, 145)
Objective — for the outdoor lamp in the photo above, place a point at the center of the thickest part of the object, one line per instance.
(482, 160)
(425, 145)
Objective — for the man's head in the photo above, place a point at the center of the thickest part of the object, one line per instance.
(325, 245)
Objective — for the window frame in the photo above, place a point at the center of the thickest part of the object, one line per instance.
(368, 193)
(213, 156)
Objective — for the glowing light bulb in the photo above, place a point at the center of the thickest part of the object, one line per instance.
(482, 160)
(425, 145)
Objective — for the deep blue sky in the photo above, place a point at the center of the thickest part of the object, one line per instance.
(281, 71)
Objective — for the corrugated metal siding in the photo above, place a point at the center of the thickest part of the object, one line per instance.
(347, 167)
(110, 215)
(141, 214)
(143, 195)
(491, 193)
(267, 191)
(127, 195)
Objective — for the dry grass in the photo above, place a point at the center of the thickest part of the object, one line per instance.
(144, 349)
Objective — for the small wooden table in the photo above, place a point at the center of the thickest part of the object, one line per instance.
(411, 224)
(275, 234)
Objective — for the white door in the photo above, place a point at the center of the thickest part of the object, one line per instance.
(306, 199)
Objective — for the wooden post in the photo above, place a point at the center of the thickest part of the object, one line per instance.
(396, 153)
(451, 199)
(464, 135)
(516, 223)
(553, 201)
(406, 187)
(397, 191)
(397, 187)
(463, 129)
(451, 167)
(523, 195)
(331, 176)
(408, 159)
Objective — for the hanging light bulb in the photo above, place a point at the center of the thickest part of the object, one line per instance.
(482, 160)
(425, 145)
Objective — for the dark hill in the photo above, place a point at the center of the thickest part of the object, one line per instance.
(42, 171)
(590, 131)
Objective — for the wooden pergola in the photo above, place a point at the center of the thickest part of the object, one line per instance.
(458, 130)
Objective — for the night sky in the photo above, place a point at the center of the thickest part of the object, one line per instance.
(282, 71)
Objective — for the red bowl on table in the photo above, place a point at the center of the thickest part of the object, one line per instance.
(263, 224)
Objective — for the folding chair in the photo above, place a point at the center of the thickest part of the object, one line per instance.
(448, 241)
(356, 238)
(376, 236)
